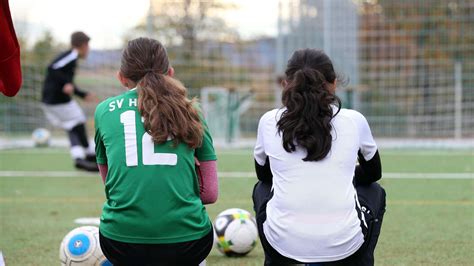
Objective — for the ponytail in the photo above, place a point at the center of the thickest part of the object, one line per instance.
(309, 103)
(167, 112)
(162, 100)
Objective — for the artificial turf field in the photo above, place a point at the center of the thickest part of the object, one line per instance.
(429, 218)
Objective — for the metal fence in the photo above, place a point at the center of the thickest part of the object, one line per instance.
(410, 63)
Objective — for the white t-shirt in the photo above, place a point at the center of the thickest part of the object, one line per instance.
(312, 216)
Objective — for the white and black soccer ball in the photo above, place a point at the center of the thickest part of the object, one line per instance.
(235, 232)
(41, 137)
(81, 247)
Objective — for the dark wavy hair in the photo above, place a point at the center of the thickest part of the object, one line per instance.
(309, 97)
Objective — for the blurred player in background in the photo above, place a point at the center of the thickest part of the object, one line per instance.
(313, 204)
(10, 69)
(146, 141)
(61, 109)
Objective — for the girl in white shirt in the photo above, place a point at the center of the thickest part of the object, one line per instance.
(313, 203)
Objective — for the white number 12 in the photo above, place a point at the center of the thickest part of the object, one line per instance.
(149, 156)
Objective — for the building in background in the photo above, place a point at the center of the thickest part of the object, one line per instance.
(329, 25)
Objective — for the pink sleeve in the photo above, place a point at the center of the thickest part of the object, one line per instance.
(103, 169)
(208, 184)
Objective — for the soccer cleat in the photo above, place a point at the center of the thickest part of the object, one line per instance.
(91, 158)
(86, 165)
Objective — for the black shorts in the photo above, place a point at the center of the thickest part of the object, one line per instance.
(184, 253)
(372, 201)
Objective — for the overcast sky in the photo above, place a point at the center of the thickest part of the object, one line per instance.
(106, 21)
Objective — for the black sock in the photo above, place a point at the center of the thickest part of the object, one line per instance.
(78, 136)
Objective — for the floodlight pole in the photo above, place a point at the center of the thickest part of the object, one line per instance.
(280, 56)
(457, 100)
(150, 21)
(327, 27)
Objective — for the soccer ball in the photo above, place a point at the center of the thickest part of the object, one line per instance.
(41, 137)
(81, 247)
(235, 232)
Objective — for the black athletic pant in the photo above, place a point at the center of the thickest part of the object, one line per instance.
(185, 253)
(78, 136)
(372, 201)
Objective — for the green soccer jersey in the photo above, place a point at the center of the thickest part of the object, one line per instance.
(152, 190)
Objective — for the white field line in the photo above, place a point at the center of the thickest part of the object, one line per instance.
(236, 175)
(385, 175)
(389, 152)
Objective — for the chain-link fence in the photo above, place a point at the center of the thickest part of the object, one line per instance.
(410, 65)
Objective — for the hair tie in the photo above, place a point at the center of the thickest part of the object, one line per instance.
(153, 70)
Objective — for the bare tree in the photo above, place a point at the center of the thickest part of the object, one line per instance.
(187, 22)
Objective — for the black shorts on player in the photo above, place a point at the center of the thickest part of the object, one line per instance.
(190, 253)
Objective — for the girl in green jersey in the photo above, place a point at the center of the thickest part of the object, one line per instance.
(147, 141)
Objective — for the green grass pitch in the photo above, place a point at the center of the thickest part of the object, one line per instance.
(429, 221)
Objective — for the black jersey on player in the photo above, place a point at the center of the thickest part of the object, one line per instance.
(60, 72)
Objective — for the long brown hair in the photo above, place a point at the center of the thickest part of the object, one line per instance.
(309, 100)
(162, 100)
